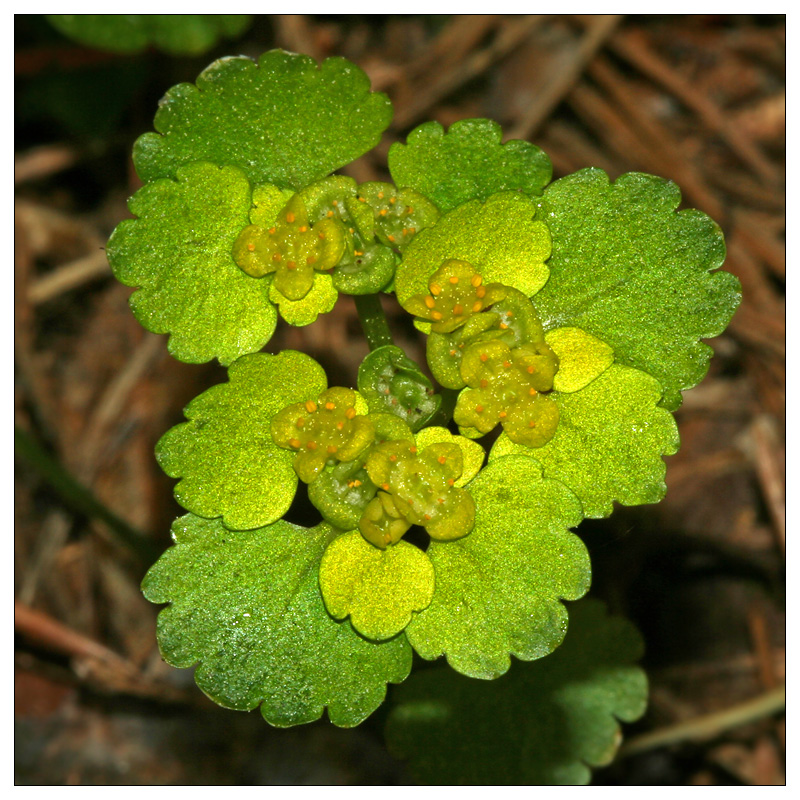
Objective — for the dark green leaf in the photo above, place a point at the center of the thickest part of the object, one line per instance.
(467, 163)
(284, 120)
(544, 723)
(630, 270)
(177, 34)
(246, 605)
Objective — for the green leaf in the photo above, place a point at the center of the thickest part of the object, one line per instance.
(630, 270)
(467, 163)
(499, 238)
(544, 723)
(246, 605)
(284, 120)
(609, 442)
(226, 458)
(498, 590)
(581, 358)
(178, 251)
(320, 300)
(378, 589)
(177, 34)
(391, 382)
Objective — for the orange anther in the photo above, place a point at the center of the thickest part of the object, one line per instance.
(484, 383)
(339, 425)
(356, 483)
(437, 315)
(358, 253)
(510, 314)
(479, 409)
(454, 279)
(295, 443)
(451, 481)
(441, 459)
(276, 256)
(291, 265)
(436, 289)
(409, 210)
(322, 236)
(332, 448)
(430, 302)
(303, 228)
(506, 364)
(383, 212)
(311, 406)
(330, 406)
(392, 457)
(531, 391)
(454, 352)
(272, 231)
(330, 213)
(350, 413)
(251, 247)
(311, 260)
(312, 445)
(336, 202)
(412, 449)
(385, 487)
(480, 291)
(531, 369)
(390, 238)
(440, 500)
(484, 357)
(458, 309)
(412, 230)
(392, 200)
(300, 422)
(290, 218)
(477, 306)
(531, 424)
(380, 195)
(502, 415)
(476, 281)
(361, 200)
(503, 326)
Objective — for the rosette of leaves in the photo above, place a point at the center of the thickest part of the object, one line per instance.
(570, 314)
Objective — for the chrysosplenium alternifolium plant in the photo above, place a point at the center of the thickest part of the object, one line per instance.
(562, 321)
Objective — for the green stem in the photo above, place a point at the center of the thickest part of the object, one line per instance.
(373, 320)
(445, 413)
(709, 725)
(79, 497)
